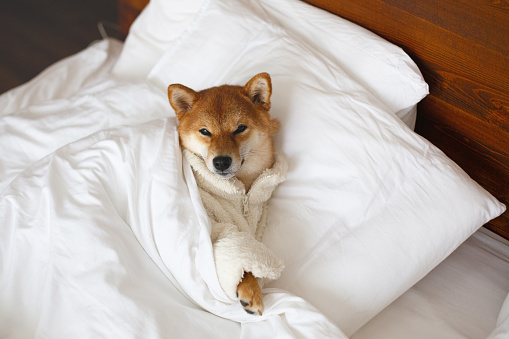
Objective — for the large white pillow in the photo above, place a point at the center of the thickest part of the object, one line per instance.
(369, 207)
(381, 67)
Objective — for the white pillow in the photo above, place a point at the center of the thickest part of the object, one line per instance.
(369, 207)
(381, 67)
(158, 26)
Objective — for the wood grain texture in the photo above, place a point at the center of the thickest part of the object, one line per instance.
(471, 20)
(462, 48)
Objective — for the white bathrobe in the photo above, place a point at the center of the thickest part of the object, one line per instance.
(238, 221)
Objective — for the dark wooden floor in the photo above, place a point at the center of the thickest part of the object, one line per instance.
(34, 34)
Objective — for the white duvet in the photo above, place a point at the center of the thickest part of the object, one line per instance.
(103, 234)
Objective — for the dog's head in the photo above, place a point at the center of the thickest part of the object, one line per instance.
(228, 126)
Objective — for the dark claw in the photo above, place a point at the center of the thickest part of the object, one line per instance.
(248, 311)
(243, 303)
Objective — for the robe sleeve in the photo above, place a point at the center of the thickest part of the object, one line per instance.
(238, 252)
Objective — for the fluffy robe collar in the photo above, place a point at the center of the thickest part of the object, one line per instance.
(233, 189)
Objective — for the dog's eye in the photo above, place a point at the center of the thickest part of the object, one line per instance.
(205, 132)
(240, 129)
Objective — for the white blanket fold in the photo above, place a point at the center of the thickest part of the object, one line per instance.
(103, 232)
(239, 252)
(88, 222)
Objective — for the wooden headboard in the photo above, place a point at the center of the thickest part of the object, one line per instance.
(462, 48)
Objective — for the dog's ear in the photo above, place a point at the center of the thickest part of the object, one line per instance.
(259, 90)
(181, 98)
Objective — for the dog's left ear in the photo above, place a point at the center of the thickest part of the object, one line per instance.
(259, 90)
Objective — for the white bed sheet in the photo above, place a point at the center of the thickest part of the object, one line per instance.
(119, 279)
(460, 298)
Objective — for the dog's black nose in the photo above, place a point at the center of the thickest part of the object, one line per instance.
(222, 163)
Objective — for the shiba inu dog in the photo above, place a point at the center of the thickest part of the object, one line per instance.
(227, 135)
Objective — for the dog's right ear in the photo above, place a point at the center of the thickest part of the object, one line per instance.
(181, 98)
(259, 90)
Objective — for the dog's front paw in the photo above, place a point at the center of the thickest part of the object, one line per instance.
(250, 294)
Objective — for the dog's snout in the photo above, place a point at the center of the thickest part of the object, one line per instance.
(222, 163)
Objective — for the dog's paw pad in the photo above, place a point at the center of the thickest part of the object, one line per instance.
(252, 307)
(250, 295)
(252, 302)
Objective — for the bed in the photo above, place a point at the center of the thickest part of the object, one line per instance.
(385, 232)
